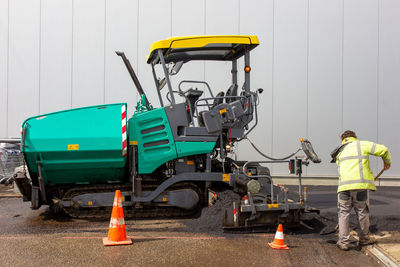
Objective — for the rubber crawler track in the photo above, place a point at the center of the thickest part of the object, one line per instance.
(135, 211)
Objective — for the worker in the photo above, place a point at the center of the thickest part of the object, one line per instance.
(355, 179)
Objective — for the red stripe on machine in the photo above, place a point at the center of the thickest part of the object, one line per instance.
(124, 145)
(124, 142)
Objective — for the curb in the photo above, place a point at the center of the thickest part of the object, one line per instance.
(9, 191)
(9, 196)
(381, 256)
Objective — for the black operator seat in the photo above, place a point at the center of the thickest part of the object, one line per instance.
(217, 100)
(193, 95)
(232, 91)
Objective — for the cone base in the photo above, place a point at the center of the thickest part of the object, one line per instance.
(275, 246)
(107, 242)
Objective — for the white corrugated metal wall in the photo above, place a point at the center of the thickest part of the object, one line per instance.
(325, 66)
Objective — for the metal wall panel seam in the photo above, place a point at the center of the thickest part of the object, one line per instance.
(307, 68)
(342, 72)
(170, 15)
(377, 78)
(273, 80)
(377, 73)
(72, 52)
(308, 74)
(104, 52)
(239, 17)
(40, 51)
(137, 41)
(8, 64)
(205, 32)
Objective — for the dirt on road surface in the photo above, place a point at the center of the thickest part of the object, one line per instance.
(33, 238)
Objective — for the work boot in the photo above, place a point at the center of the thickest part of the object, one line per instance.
(346, 247)
(343, 247)
(367, 241)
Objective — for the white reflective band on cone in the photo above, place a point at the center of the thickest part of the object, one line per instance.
(121, 221)
(113, 223)
(279, 235)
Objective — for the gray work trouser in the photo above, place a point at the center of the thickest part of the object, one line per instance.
(357, 199)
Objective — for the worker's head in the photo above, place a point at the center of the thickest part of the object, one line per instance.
(348, 133)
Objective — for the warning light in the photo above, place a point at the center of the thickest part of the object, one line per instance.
(301, 139)
(247, 69)
(246, 200)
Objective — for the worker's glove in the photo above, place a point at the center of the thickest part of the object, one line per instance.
(386, 166)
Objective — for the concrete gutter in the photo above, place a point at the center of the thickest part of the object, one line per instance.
(385, 258)
(9, 192)
(386, 250)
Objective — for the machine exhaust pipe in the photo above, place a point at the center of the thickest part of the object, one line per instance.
(133, 76)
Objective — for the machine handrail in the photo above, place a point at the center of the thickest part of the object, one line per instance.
(213, 98)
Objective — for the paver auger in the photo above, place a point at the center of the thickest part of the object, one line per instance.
(167, 160)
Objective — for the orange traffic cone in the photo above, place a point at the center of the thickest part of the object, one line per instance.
(117, 231)
(278, 240)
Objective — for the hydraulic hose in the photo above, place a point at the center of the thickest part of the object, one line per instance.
(270, 158)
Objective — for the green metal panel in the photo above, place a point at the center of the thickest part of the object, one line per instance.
(193, 148)
(81, 145)
(152, 132)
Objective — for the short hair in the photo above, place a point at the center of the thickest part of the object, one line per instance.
(348, 133)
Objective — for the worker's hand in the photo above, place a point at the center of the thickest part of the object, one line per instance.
(386, 166)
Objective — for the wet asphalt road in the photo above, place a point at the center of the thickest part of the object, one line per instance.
(33, 238)
(384, 201)
(384, 207)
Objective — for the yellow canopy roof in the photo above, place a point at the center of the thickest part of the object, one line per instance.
(219, 47)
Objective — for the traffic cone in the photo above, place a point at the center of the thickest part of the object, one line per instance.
(278, 240)
(117, 231)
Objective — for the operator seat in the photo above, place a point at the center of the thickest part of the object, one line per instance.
(232, 91)
(217, 100)
(192, 96)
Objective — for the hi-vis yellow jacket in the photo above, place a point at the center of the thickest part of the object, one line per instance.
(353, 164)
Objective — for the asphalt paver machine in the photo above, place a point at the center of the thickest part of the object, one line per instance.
(166, 160)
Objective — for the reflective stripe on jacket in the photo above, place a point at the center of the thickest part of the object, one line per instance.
(353, 163)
